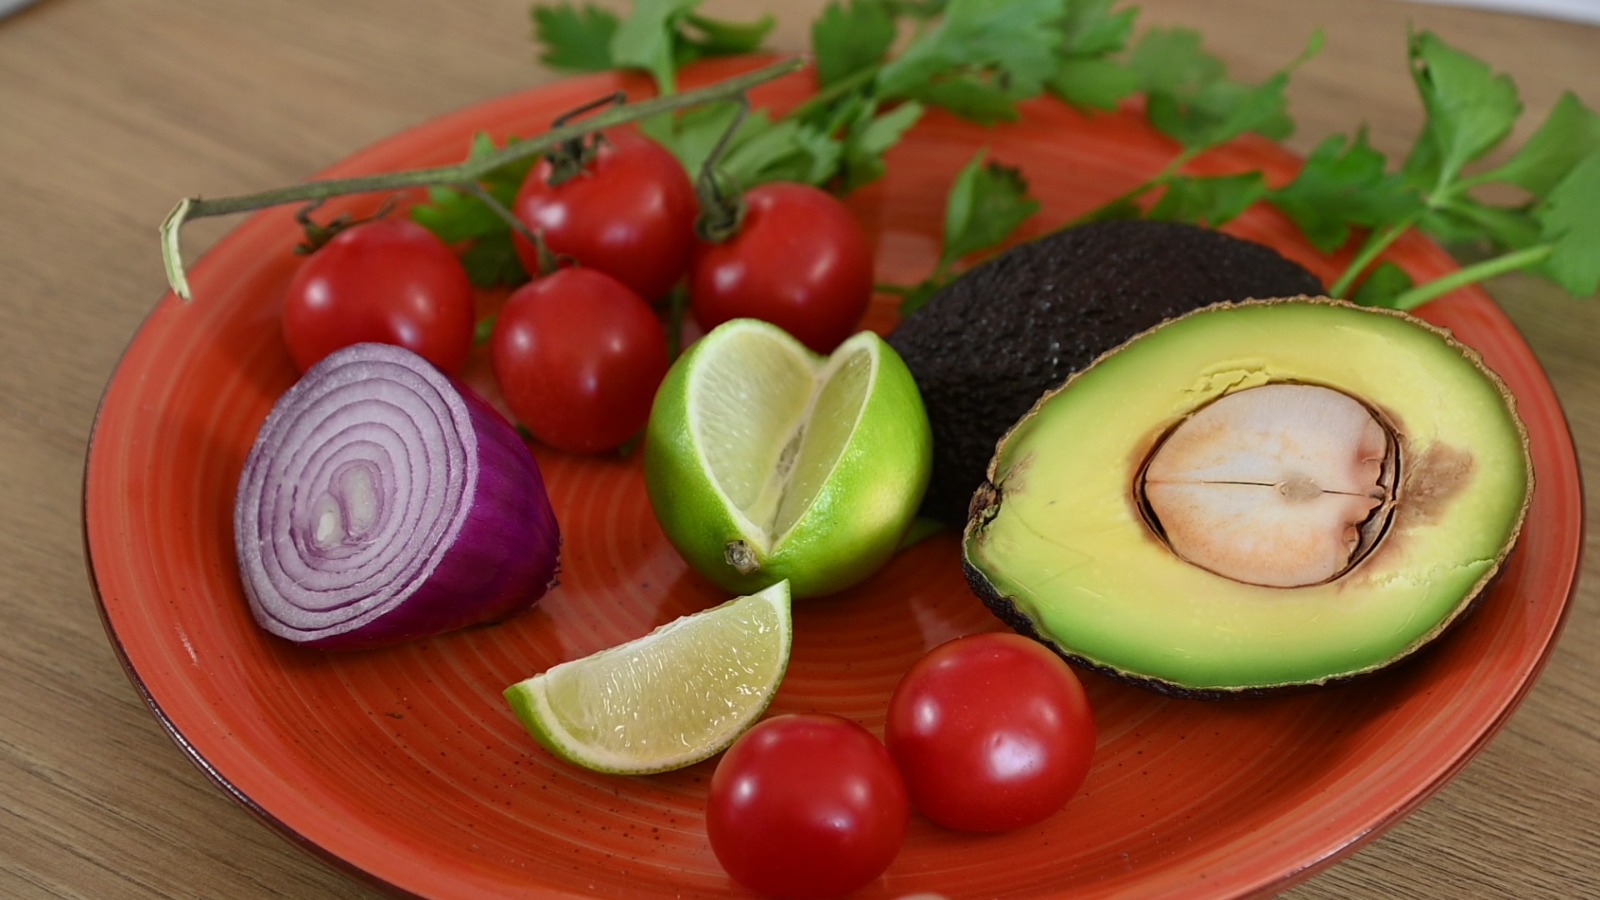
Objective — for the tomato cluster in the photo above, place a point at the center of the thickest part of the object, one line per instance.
(579, 351)
(989, 732)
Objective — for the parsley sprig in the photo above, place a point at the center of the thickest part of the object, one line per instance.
(880, 64)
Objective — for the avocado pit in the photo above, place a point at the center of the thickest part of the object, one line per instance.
(1280, 485)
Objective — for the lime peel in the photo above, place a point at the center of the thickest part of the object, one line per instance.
(669, 699)
(765, 461)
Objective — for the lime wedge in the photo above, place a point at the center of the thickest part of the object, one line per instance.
(765, 461)
(672, 698)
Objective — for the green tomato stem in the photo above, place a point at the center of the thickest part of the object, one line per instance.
(440, 176)
(1480, 271)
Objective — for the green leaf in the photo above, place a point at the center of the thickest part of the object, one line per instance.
(986, 203)
(720, 37)
(1191, 99)
(846, 39)
(647, 40)
(492, 261)
(573, 39)
(869, 137)
(918, 295)
(1018, 41)
(1212, 201)
(973, 97)
(1570, 133)
(1089, 28)
(1094, 83)
(1172, 61)
(461, 218)
(1344, 184)
(1469, 111)
(1467, 222)
(1382, 286)
(1570, 219)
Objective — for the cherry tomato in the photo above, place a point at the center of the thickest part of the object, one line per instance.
(800, 260)
(388, 280)
(806, 805)
(578, 357)
(991, 731)
(630, 213)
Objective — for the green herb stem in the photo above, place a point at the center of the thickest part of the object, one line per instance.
(1479, 271)
(824, 98)
(1376, 243)
(441, 176)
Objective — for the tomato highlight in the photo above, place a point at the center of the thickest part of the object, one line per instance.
(799, 260)
(992, 732)
(578, 357)
(806, 805)
(387, 281)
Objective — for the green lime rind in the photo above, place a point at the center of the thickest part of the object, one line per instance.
(855, 522)
(674, 697)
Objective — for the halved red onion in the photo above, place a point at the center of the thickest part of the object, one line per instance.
(382, 501)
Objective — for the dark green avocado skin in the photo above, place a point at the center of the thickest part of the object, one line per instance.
(989, 344)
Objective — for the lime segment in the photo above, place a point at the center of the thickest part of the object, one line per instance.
(672, 698)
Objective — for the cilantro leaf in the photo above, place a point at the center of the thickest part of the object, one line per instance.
(1093, 83)
(1172, 61)
(1213, 201)
(573, 39)
(1089, 28)
(986, 203)
(1085, 75)
(1570, 218)
(1467, 222)
(716, 37)
(869, 136)
(459, 217)
(847, 39)
(1344, 183)
(1469, 111)
(1191, 99)
(1383, 285)
(1016, 42)
(1570, 133)
(645, 40)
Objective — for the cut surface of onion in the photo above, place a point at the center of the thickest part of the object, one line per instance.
(383, 501)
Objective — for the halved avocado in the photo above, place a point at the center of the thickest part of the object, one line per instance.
(1255, 496)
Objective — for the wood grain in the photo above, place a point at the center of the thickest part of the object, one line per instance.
(110, 111)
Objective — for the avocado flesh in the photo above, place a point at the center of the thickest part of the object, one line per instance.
(992, 341)
(1062, 546)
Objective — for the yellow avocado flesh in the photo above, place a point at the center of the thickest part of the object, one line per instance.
(1063, 539)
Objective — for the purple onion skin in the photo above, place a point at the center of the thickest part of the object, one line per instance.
(500, 561)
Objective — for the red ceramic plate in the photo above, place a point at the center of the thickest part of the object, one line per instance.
(405, 767)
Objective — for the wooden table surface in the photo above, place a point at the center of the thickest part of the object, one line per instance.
(110, 111)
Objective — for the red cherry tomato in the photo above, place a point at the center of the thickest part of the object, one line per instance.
(629, 213)
(578, 357)
(390, 281)
(806, 806)
(800, 261)
(991, 731)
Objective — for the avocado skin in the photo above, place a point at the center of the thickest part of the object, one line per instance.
(989, 344)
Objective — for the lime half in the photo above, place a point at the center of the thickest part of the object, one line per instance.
(765, 461)
(672, 698)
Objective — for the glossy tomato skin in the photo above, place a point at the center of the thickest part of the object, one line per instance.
(806, 805)
(800, 260)
(629, 213)
(578, 357)
(388, 281)
(992, 732)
